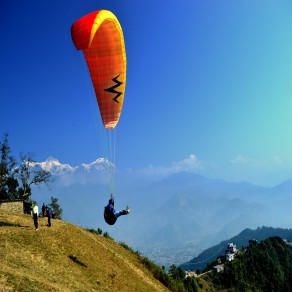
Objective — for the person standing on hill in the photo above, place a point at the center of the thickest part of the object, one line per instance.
(35, 214)
(43, 210)
(49, 215)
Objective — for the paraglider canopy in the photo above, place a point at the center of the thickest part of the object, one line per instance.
(100, 36)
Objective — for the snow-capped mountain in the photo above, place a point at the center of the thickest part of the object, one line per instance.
(98, 164)
(56, 168)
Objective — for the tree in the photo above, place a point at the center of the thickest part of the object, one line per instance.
(190, 284)
(56, 208)
(29, 175)
(8, 182)
(178, 274)
(16, 181)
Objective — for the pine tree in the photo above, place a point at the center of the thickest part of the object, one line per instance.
(56, 208)
(8, 182)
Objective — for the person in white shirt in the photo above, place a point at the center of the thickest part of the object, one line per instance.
(35, 214)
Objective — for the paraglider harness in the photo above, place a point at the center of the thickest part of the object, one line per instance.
(108, 215)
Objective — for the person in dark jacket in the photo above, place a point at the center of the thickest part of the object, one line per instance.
(111, 215)
(49, 215)
(43, 210)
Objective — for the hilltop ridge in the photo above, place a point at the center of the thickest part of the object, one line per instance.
(66, 257)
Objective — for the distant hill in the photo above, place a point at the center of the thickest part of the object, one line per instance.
(241, 240)
(266, 266)
(66, 258)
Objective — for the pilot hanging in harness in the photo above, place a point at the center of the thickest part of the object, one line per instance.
(111, 215)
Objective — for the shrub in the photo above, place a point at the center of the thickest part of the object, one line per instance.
(125, 246)
(106, 235)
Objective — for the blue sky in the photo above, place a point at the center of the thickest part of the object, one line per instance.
(209, 86)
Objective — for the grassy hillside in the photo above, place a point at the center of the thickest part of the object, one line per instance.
(66, 258)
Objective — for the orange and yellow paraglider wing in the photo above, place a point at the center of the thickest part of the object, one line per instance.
(100, 36)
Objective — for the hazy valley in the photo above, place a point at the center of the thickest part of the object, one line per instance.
(173, 219)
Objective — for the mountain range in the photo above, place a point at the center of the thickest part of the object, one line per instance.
(171, 220)
(56, 168)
